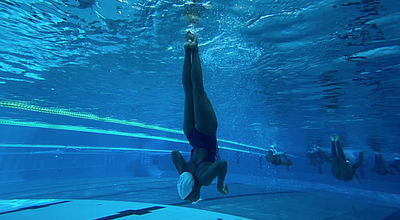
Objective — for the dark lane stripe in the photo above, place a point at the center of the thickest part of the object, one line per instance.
(33, 207)
(130, 212)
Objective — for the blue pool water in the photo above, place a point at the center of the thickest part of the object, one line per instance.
(92, 89)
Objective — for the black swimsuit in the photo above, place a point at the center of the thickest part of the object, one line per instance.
(199, 140)
(209, 142)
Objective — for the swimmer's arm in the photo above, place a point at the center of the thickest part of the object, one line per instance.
(218, 169)
(358, 178)
(222, 169)
(179, 162)
(327, 157)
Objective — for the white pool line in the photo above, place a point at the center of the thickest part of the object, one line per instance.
(86, 129)
(100, 131)
(62, 112)
(79, 148)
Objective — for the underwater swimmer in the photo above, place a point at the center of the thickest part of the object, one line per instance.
(200, 127)
(278, 158)
(82, 3)
(396, 163)
(343, 169)
(380, 167)
(193, 10)
(317, 156)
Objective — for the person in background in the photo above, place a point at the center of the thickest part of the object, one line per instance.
(82, 4)
(193, 10)
(192, 13)
(317, 156)
(343, 169)
(380, 167)
(278, 158)
(395, 165)
(200, 127)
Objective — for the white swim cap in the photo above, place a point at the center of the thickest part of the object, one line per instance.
(185, 184)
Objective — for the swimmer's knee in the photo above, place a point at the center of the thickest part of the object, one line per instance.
(175, 154)
(336, 173)
(206, 183)
(222, 165)
(205, 180)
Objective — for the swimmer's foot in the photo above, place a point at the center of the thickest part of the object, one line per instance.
(224, 190)
(194, 44)
(334, 137)
(190, 42)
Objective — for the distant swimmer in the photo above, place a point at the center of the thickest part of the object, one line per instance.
(380, 167)
(317, 156)
(82, 4)
(278, 158)
(342, 168)
(86, 3)
(193, 10)
(395, 165)
(200, 127)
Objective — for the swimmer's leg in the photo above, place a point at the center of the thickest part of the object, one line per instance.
(355, 166)
(179, 162)
(188, 121)
(344, 165)
(358, 178)
(341, 155)
(393, 167)
(333, 152)
(319, 169)
(287, 162)
(204, 115)
(360, 161)
(335, 162)
(216, 169)
(326, 157)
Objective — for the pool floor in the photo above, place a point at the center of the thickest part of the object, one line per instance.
(246, 201)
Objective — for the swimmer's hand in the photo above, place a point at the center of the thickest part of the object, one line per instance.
(224, 190)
